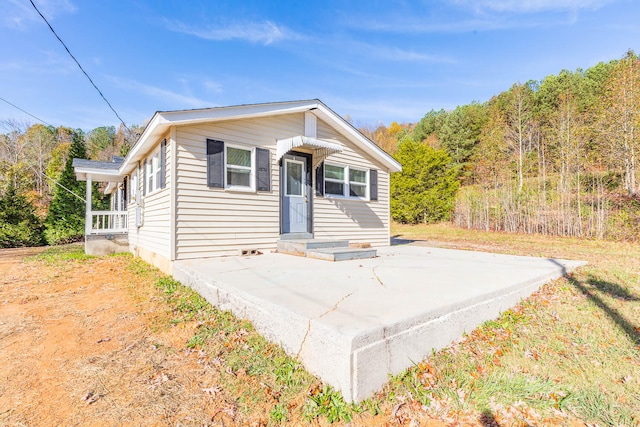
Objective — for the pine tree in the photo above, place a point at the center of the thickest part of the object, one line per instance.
(66, 217)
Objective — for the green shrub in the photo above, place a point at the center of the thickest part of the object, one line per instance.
(19, 224)
(425, 190)
(60, 234)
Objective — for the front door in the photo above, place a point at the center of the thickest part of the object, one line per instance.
(296, 194)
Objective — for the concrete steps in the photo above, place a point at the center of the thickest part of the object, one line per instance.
(328, 250)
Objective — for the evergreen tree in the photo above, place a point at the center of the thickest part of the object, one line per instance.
(425, 190)
(460, 132)
(429, 125)
(19, 224)
(66, 218)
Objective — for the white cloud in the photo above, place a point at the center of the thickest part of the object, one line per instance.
(19, 13)
(528, 6)
(212, 87)
(397, 54)
(265, 32)
(176, 100)
(47, 62)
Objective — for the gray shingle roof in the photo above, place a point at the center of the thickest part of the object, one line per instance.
(94, 164)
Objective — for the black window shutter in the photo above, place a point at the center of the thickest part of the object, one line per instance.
(320, 180)
(263, 171)
(373, 184)
(125, 189)
(215, 163)
(163, 163)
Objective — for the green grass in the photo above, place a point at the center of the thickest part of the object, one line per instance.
(570, 350)
(56, 254)
(330, 404)
(253, 371)
(573, 347)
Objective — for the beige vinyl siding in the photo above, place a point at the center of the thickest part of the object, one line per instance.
(214, 221)
(154, 235)
(352, 219)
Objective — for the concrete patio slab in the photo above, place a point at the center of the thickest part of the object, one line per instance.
(353, 323)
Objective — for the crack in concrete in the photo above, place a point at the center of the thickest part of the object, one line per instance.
(306, 334)
(332, 309)
(373, 270)
(335, 307)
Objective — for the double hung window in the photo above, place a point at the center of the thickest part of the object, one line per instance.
(153, 172)
(133, 187)
(240, 169)
(346, 181)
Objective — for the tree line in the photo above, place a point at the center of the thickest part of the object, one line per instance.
(556, 156)
(40, 199)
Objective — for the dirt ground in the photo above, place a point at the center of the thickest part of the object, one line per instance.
(83, 346)
(88, 342)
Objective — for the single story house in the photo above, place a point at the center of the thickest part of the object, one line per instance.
(235, 180)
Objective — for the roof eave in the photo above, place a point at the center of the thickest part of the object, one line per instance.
(103, 175)
(162, 121)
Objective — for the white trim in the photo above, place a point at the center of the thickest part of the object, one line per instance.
(286, 175)
(134, 187)
(251, 169)
(88, 207)
(153, 171)
(162, 121)
(346, 182)
(171, 163)
(321, 149)
(98, 175)
(310, 125)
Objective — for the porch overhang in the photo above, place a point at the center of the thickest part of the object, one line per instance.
(99, 171)
(321, 148)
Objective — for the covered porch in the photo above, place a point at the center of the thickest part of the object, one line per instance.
(106, 231)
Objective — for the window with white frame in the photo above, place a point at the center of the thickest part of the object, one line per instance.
(153, 172)
(358, 183)
(346, 181)
(133, 187)
(239, 168)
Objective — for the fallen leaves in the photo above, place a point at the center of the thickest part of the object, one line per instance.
(91, 397)
(211, 391)
(158, 380)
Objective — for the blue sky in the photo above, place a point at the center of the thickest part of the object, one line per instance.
(376, 61)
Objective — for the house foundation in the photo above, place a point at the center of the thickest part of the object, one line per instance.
(106, 244)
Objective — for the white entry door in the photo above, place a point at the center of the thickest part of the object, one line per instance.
(295, 196)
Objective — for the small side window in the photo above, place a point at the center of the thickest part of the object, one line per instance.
(153, 172)
(133, 187)
(239, 168)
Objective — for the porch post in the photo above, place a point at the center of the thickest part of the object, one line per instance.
(87, 223)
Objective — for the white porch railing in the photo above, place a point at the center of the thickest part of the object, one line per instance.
(104, 222)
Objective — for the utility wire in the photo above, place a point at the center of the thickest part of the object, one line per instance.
(32, 167)
(26, 112)
(59, 184)
(80, 66)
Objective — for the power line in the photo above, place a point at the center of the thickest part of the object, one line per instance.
(56, 182)
(26, 112)
(80, 66)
